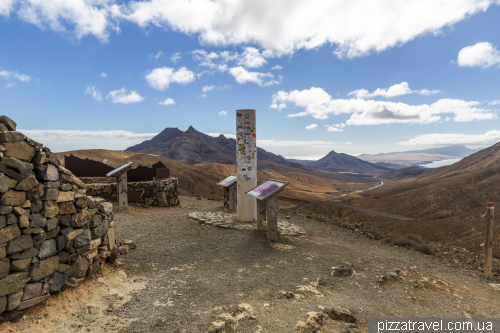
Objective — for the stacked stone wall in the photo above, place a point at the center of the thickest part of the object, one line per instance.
(161, 193)
(52, 234)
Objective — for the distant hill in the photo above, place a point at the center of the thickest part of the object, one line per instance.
(343, 163)
(410, 158)
(299, 161)
(405, 173)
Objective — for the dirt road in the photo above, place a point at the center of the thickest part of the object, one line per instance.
(183, 275)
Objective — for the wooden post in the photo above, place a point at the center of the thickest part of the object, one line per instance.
(122, 190)
(488, 243)
(261, 214)
(226, 197)
(272, 218)
(232, 197)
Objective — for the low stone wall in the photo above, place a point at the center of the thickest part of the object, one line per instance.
(162, 193)
(52, 235)
(98, 180)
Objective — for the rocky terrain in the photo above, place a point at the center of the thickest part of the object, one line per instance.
(188, 277)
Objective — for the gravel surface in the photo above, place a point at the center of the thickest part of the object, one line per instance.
(190, 274)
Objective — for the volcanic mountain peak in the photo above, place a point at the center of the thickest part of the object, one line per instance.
(340, 162)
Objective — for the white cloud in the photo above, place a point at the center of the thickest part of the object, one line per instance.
(160, 78)
(487, 138)
(335, 128)
(120, 96)
(104, 74)
(396, 90)
(481, 54)
(356, 27)
(207, 88)
(320, 105)
(276, 68)
(311, 127)
(14, 76)
(249, 58)
(176, 56)
(156, 56)
(10, 85)
(230, 136)
(203, 95)
(65, 140)
(242, 76)
(223, 113)
(168, 101)
(495, 102)
(95, 93)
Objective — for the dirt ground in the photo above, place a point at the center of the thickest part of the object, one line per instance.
(183, 276)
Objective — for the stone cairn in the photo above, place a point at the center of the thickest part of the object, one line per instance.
(52, 235)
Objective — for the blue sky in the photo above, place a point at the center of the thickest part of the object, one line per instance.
(354, 77)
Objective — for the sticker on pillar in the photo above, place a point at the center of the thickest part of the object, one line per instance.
(247, 116)
(253, 134)
(243, 169)
(244, 176)
(239, 114)
(249, 168)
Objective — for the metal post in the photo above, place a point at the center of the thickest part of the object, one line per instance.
(488, 244)
(246, 161)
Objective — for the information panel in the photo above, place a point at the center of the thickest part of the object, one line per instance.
(267, 189)
(228, 181)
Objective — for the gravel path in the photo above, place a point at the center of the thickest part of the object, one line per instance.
(186, 275)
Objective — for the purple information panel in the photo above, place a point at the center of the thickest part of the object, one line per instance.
(228, 181)
(266, 189)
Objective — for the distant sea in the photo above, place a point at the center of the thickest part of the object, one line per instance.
(437, 164)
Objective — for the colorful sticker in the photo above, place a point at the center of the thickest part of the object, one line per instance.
(247, 116)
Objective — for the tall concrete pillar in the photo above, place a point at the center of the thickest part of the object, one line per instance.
(246, 161)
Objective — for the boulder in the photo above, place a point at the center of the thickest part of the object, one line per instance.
(11, 136)
(51, 208)
(9, 123)
(4, 267)
(23, 168)
(20, 150)
(32, 290)
(67, 208)
(13, 198)
(81, 219)
(37, 221)
(78, 269)
(13, 283)
(14, 299)
(47, 249)
(44, 268)
(9, 233)
(6, 183)
(66, 196)
(19, 244)
(50, 174)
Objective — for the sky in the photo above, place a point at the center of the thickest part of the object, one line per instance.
(353, 76)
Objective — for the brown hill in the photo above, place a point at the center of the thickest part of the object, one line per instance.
(335, 162)
(201, 179)
(405, 173)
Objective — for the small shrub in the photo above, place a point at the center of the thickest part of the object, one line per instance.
(401, 241)
(416, 238)
(425, 248)
(377, 235)
(395, 234)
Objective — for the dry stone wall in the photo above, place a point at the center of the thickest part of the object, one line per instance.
(52, 234)
(162, 193)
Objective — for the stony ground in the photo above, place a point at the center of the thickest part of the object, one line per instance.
(183, 276)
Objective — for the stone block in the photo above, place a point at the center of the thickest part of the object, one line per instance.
(26, 184)
(44, 268)
(64, 220)
(40, 158)
(53, 233)
(14, 299)
(94, 267)
(51, 224)
(81, 219)
(32, 290)
(63, 256)
(94, 244)
(51, 209)
(11, 219)
(62, 268)
(39, 238)
(106, 207)
(6, 183)
(50, 184)
(19, 244)
(5, 210)
(67, 208)
(60, 243)
(23, 168)
(82, 249)
(26, 204)
(78, 269)
(20, 150)
(100, 230)
(9, 123)
(37, 221)
(82, 202)
(51, 194)
(82, 239)
(19, 265)
(31, 302)
(66, 187)
(162, 200)
(65, 178)
(50, 174)
(13, 198)
(11, 136)
(73, 234)
(4, 267)
(24, 221)
(66, 196)
(35, 193)
(13, 283)
(111, 238)
(58, 281)
(18, 211)
(3, 252)
(9, 233)
(29, 253)
(47, 249)
(3, 304)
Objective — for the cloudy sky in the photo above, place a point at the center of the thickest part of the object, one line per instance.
(359, 76)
